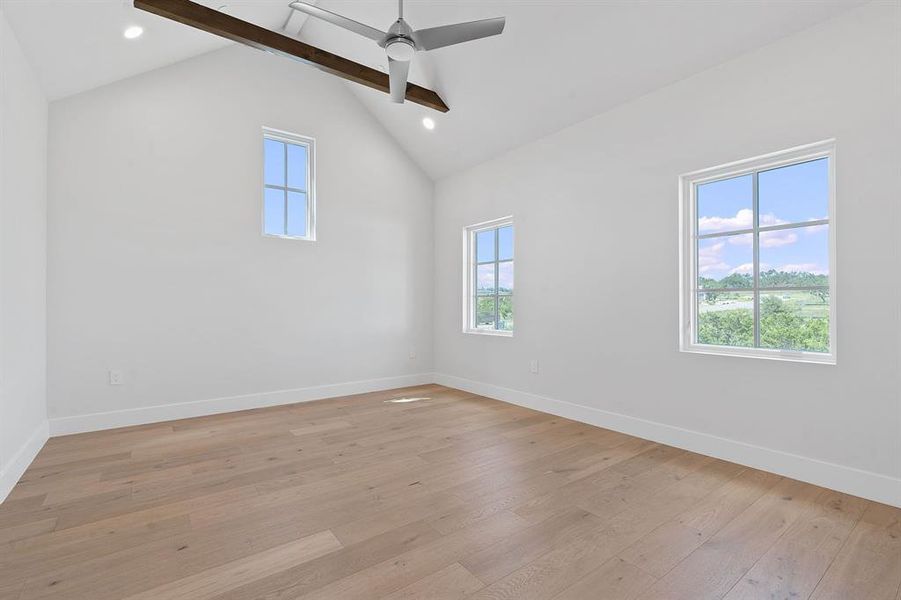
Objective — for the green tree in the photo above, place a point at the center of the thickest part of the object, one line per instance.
(781, 326)
(774, 278)
(726, 328)
(736, 280)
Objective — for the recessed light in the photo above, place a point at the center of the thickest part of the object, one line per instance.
(133, 32)
(428, 123)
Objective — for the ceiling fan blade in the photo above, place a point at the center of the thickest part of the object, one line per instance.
(448, 35)
(336, 19)
(397, 79)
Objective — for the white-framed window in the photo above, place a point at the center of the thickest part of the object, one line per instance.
(758, 257)
(289, 199)
(488, 268)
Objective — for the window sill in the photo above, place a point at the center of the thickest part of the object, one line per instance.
(489, 333)
(289, 237)
(762, 353)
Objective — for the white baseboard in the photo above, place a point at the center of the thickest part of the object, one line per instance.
(872, 486)
(866, 484)
(12, 471)
(200, 408)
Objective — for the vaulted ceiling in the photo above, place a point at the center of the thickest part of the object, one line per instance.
(558, 62)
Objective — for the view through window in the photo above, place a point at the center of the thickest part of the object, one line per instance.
(761, 259)
(490, 295)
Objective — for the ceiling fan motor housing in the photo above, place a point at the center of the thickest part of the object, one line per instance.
(400, 48)
(399, 41)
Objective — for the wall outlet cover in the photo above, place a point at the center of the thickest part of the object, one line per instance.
(116, 377)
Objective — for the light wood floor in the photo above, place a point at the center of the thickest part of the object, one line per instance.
(449, 496)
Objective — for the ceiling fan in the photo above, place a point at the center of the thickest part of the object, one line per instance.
(401, 42)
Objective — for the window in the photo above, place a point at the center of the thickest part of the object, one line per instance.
(758, 257)
(289, 204)
(488, 304)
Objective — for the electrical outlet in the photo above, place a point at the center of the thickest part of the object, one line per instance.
(412, 353)
(533, 365)
(116, 377)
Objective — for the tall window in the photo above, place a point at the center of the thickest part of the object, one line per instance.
(288, 200)
(489, 266)
(758, 263)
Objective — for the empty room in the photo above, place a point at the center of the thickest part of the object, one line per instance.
(450, 299)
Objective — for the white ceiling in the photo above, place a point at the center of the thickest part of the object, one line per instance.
(558, 62)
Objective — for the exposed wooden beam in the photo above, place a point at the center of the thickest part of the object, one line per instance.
(229, 27)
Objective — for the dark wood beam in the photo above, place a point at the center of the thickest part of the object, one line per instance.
(218, 23)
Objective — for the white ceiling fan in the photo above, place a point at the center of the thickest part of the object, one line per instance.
(401, 42)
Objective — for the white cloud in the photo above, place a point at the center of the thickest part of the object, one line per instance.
(744, 269)
(709, 260)
(770, 219)
(775, 239)
(743, 219)
(748, 268)
(814, 229)
(713, 267)
(486, 278)
(711, 250)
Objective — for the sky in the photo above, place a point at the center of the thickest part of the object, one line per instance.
(792, 194)
(274, 174)
(485, 251)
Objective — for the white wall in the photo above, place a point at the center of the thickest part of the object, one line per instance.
(156, 262)
(596, 213)
(23, 261)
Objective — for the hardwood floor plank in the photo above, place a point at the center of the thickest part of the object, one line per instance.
(52, 552)
(521, 548)
(11, 589)
(312, 575)
(370, 524)
(614, 580)
(569, 495)
(502, 493)
(215, 581)
(26, 530)
(450, 583)
(662, 549)
(869, 564)
(407, 568)
(137, 568)
(586, 551)
(712, 569)
(448, 496)
(797, 562)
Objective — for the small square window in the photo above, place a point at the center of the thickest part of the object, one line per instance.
(288, 175)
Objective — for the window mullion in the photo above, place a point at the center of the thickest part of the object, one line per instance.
(286, 188)
(756, 246)
(497, 268)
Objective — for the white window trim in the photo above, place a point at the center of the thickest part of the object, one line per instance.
(688, 290)
(469, 236)
(298, 140)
